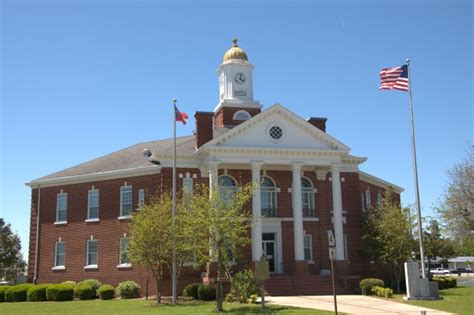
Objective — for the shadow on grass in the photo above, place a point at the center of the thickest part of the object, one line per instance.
(255, 310)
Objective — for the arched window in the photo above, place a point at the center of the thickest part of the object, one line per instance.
(241, 115)
(227, 187)
(307, 196)
(268, 196)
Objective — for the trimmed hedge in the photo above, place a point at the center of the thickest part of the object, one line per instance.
(106, 292)
(94, 283)
(366, 285)
(382, 292)
(128, 290)
(73, 283)
(3, 288)
(37, 293)
(207, 292)
(17, 293)
(60, 292)
(85, 292)
(191, 290)
(445, 282)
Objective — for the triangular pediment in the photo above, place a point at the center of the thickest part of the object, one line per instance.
(264, 129)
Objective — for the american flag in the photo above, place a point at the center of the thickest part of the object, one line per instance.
(394, 78)
(180, 116)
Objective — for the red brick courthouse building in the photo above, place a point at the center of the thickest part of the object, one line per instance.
(310, 183)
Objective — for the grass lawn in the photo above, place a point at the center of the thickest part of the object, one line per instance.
(458, 300)
(113, 307)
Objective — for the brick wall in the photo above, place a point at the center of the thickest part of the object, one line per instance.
(109, 229)
(224, 116)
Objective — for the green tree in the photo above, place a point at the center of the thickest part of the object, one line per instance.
(151, 239)
(221, 226)
(456, 207)
(437, 247)
(12, 264)
(387, 235)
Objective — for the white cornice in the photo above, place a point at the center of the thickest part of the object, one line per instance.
(278, 109)
(66, 180)
(379, 182)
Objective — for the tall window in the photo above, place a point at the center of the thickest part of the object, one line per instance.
(362, 201)
(379, 199)
(367, 198)
(307, 195)
(91, 253)
(141, 198)
(268, 197)
(123, 259)
(308, 247)
(227, 187)
(60, 254)
(125, 201)
(93, 204)
(61, 207)
(187, 189)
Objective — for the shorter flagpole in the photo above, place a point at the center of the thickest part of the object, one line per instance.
(173, 217)
(415, 176)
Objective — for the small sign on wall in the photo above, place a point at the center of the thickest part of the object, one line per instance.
(331, 238)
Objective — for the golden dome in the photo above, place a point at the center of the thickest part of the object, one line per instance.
(235, 52)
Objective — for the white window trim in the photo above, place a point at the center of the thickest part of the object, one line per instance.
(58, 196)
(362, 200)
(310, 193)
(275, 191)
(92, 266)
(368, 200)
(56, 266)
(122, 264)
(141, 198)
(311, 260)
(122, 216)
(92, 220)
(89, 219)
(241, 112)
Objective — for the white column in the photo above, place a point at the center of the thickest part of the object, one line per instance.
(337, 211)
(297, 212)
(256, 213)
(213, 167)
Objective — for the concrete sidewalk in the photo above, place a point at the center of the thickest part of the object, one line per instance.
(351, 304)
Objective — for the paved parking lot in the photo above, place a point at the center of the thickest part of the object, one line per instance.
(352, 304)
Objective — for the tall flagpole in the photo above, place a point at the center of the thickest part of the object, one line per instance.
(415, 175)
(173, 217)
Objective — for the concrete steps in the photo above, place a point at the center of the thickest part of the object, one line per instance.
(282, 285)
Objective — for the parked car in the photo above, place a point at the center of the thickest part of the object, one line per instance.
(461, 270)
(440, 271)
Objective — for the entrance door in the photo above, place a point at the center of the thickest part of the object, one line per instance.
(269, 249)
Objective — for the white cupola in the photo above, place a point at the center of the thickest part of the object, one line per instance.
(235, 80)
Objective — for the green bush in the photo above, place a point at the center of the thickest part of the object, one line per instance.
(94, 283)
(207, 292)
(445, 282)
(37, 293)
(17, 293)
(85, 292)
(367, 284)
(69, 282)
(60, 292)
(3, 288)
(252, 299)
(128, 290)
(244, 285)
(382, 292)
(191, 290)
(106, 292)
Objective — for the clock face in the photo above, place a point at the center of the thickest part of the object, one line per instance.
(240, 78)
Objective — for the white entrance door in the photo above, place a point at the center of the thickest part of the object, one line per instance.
(269, 249)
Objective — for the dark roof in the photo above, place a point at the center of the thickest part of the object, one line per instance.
(128, 158)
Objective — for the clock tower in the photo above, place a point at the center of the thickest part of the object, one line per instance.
(235, 80)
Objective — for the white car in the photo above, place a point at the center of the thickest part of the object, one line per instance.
(439, 271)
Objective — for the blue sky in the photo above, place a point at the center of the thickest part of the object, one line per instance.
(80, 79)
